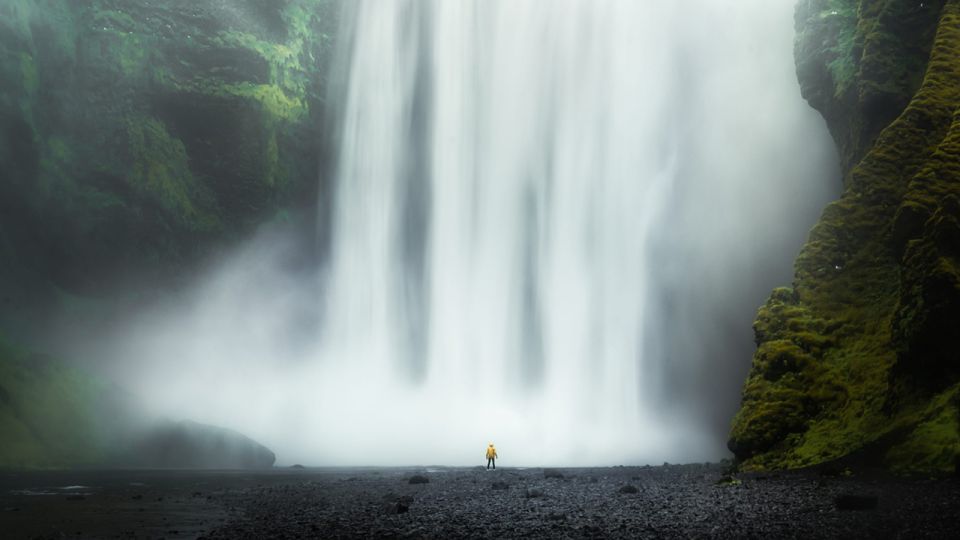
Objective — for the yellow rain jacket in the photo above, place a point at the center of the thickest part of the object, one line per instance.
(491, 452)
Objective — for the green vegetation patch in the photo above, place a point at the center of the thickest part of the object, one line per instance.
(843, 360)
(48, 413)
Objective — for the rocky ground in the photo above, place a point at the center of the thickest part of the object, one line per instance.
(688, 501)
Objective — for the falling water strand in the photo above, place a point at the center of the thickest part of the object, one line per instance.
(500, 168)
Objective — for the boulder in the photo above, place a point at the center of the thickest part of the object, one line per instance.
(190, 445)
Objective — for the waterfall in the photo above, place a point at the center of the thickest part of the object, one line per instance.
(502, 166)
(550, 224)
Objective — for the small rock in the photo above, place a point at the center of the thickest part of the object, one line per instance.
(395, 508)
(552, 473)
(591, 530)
(533, 493)
(137, 497)
(556, 516)
(297, 466)
(728, 480)
(419, 479)
(499, 485)
(393, 498)
(629, 489)
(849, 501)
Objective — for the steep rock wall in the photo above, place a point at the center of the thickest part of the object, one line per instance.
(859, 358)
(135, 136)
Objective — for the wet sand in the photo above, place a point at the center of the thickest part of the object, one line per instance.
(674, 501)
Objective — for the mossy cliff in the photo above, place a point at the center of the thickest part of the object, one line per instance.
(136, 135)
(860, 358)
(52, 415)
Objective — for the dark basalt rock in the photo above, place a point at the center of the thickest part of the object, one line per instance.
(629, 489)
(855, 502)
(396, 508)
(189, 445)
(552, 473)
(499, 485)
(419, 479)
(533, 493)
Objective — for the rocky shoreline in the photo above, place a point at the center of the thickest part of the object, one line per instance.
(669, 501)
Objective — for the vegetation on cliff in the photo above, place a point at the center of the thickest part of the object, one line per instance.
(859, 357)
(51, 415)
(137, 135)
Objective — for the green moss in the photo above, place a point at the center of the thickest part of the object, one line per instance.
(161, 171)
(934, 444)
(28, 74)
(48, 413)
(843, 359)
(843, 65)
(113, 19)
(273, 99)
(132, 54)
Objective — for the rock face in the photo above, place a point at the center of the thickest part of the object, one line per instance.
(52, 415)
(860, 356)
(136, 135)
(189, 445)
(55, 416)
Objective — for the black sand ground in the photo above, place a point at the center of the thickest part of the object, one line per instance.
(676, 501)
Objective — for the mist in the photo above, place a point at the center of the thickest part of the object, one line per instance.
(548, 226)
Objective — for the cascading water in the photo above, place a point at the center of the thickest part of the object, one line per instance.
(543, 212)
(501, 165)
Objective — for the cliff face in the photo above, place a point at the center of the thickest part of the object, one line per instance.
(136, 135)
(860, 356)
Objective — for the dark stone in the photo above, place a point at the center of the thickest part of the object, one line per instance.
(297, 466)
(499, 485)
(533, 493)
(189, 445)
(393, 497)
(629, 489)
(849, 501)
(552, 473)
(396, 508)
(419, 479)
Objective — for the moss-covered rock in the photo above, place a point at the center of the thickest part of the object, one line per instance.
(50, 414)
(860, 356)
(859, 62)
(137, 135)
(56, 416)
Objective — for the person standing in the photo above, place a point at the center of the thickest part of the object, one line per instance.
(491, 457)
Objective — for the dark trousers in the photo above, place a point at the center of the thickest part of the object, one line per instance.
(491, 461)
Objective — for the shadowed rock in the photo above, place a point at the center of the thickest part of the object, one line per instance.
(552, 473)
(849, 501)
(189, 445)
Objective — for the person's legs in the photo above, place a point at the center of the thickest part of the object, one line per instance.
(488, 462)
(494, 461)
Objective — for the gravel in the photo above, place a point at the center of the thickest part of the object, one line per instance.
(670, 501)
